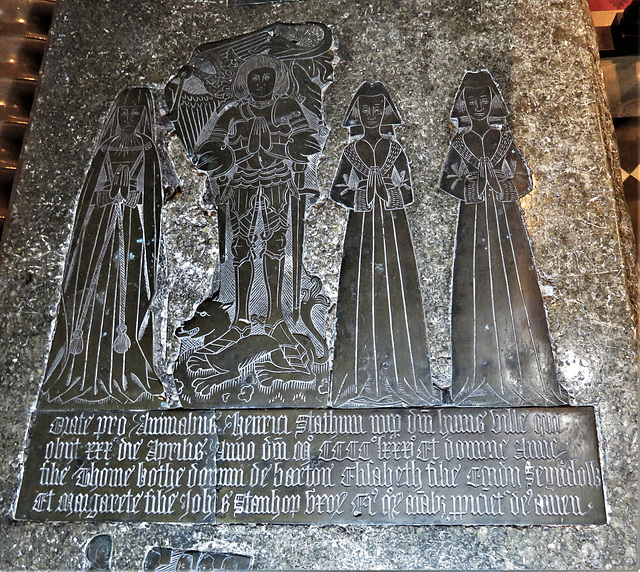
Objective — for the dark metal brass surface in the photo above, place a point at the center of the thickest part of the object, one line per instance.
(248, 111)
(102, 350)
(121, 466)
(501, 351)
(98, 553)
(381, 356)
(447, 466)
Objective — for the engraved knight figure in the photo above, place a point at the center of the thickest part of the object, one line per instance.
(102, 350)
(501, 351)
(381, 356)
(260, 338)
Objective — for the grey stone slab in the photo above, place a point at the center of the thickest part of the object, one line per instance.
(580, 235)
(232, 3)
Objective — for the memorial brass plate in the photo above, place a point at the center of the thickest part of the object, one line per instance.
(381, 356)
(462, 466)
(449, 466)
(248, 111)
(102, 351)
(162, 558)
(98, 553)
(501, 353)
(143, 466)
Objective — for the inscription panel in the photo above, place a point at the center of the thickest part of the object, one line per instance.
(152, 466)
(455, 466)
(420, 466)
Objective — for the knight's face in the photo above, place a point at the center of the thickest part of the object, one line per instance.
(478, 100)
(261, 82)
(129, 117)
(371, 109)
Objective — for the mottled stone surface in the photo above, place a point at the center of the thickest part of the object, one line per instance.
(543, 55)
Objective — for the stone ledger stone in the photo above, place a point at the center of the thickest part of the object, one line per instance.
(575, 216)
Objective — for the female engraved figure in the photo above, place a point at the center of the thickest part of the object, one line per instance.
(500, 342)
(381, 355)
(260, 337)
(103, 344)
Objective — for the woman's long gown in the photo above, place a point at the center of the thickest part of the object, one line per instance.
(102, 350)
(381, 355)
(501, 351)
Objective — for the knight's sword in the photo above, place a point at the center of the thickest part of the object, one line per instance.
(298, 207)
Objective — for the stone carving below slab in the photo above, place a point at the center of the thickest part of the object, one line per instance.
(98, 553)
(249, 113)
(501, 351)
(162, 559)
(102, 351)
(381, 356)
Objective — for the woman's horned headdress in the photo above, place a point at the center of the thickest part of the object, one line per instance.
(391, 116)
(498, 111)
